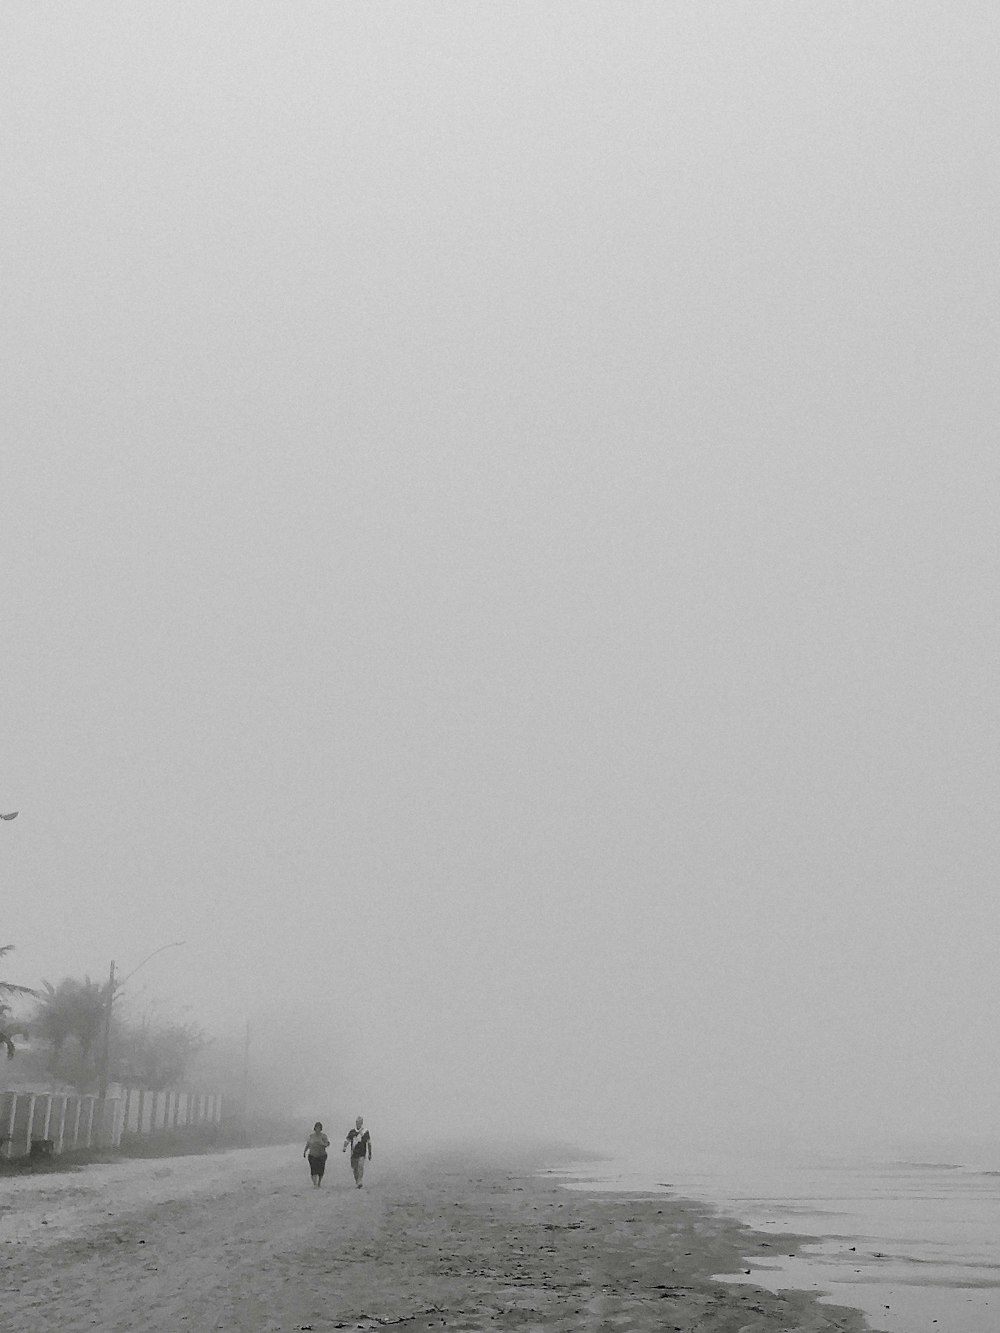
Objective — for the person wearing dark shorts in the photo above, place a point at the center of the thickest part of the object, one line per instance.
(315, 1149)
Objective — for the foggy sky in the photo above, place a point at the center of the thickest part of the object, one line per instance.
(498, 517)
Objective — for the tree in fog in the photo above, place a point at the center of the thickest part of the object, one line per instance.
(156, 1055)
(74, 1011)
(9, 1029)
(54, 1018)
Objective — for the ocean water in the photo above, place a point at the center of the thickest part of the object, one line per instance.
(915, 1245)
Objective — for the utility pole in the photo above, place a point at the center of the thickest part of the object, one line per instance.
(246, 1076)
(106, 1043)
(102, 1091)
(106, 1039)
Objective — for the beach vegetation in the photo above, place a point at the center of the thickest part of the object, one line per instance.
(156, 1055)
(69, 1019)
(10, 1027)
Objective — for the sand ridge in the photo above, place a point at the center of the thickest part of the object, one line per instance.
(241, 1241)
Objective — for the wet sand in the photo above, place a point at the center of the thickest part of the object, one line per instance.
(242, 1241)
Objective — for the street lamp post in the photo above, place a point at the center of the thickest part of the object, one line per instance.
(102, 1093)
(102, 1090)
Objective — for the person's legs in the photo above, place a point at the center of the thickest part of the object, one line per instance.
(320, 1168)
(358, 1166)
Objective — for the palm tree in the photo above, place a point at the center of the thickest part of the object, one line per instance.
(54, 1018)
(72, 1009)
(91, 1005)
(7, 1030)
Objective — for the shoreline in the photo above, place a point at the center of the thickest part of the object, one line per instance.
(241, 1240)
(910, 1244)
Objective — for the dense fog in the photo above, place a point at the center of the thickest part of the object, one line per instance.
(498, 520)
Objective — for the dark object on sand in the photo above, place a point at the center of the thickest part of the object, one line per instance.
(42, 1147)
(13, 815)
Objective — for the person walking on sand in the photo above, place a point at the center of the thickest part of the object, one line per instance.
(315, 1149)
(360, 1143)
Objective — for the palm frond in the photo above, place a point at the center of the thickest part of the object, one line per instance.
(8, 988)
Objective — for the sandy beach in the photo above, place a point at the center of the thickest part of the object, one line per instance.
(241, 1241)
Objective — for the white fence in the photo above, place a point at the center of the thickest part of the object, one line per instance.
(56, 1122)
(144, 1112)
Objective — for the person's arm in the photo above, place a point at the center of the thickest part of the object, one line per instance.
(369, 1147)
(346, 1141)
(305, 1150)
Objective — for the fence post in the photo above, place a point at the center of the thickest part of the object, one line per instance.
(118, 1122)
(31, 1121)
(8, 1145)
